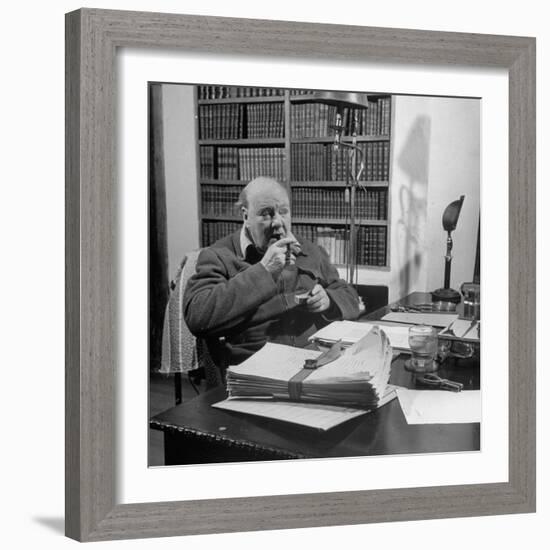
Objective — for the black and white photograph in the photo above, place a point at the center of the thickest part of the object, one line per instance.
(314, 273)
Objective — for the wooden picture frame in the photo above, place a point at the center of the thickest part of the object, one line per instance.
(92, 39)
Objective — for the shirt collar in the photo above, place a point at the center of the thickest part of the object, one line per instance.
(245, 242)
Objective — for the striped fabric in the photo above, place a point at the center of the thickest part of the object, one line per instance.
(181, 351)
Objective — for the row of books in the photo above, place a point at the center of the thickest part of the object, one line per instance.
(371, 242)
(307, 202)
(225, 121)
(210, 91)
(317, 202)
(377, 120)
(372, 245)
(220, 199)
(334, 241)
(240, 121)
(265, 120)
(213, 231)
(318, 119)
(207, 161)
(321, 162)
(241, 163)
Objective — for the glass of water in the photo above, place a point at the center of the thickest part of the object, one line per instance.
(423, 344)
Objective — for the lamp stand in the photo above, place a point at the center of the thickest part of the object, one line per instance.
(352, 181)
(447, 294)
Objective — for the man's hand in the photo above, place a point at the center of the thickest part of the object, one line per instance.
(318, 300)
(278, 254)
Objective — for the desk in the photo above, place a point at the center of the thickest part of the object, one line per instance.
(196, 433)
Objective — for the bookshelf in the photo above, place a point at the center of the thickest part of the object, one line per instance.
(246, 132)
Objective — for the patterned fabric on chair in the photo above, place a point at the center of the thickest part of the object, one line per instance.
(181, 351)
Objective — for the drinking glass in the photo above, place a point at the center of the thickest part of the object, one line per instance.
(423, 344)
(472, 301)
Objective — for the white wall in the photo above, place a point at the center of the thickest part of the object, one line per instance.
(435, 159)
(454, 170)
(180, 166)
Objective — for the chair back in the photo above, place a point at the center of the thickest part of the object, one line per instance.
(373, 296)
(182, 352)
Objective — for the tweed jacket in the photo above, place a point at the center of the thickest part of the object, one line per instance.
(236, 298)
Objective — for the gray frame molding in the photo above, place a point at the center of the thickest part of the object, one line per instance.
(92, 38)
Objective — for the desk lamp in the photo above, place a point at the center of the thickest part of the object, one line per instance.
(450, 219)
(343, 100)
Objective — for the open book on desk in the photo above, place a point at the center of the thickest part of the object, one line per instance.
(350, 332)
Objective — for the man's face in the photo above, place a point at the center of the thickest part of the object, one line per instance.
(267, 217)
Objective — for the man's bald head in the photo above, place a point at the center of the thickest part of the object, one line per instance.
(261, 186)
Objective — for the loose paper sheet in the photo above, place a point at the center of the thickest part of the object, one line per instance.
(440, 406)
(320, 417)
(353, 331)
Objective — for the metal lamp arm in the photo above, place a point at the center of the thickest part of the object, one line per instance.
(358, 150)
(448, 259)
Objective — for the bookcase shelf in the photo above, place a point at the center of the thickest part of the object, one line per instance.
(256, 99)
(336, 221)
(243, 141)
(309, 96)
(318, 183)
(249, 132)
(297, 220)
(221, 217)
(211, 181)
(330, 139)
(325, 183)
(371, 267)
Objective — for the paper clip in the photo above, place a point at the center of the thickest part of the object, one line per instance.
(437, 382)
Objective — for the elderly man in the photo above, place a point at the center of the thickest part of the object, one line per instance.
(262, 284)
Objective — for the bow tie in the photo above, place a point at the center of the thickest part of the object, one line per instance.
(253, 255)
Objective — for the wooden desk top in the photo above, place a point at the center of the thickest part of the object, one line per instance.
(381, 432)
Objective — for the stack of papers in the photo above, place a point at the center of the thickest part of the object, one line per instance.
(357, 378)
(350, 332)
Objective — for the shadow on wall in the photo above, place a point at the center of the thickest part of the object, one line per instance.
(414, 161)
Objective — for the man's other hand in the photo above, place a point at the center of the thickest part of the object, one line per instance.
(318, 300)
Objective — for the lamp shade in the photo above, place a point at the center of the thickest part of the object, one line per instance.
(353, 100)
(451, 214)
